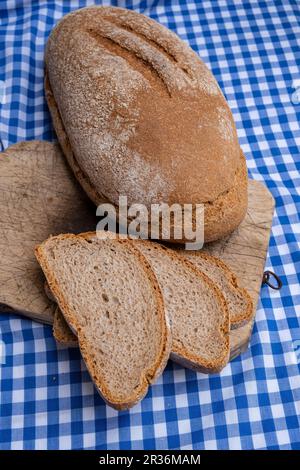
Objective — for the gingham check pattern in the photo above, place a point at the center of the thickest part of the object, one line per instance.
(47, 398)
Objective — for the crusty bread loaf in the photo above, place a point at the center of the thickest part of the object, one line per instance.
(197, 308)
(239, 302)
(138, 114)
(112, 301)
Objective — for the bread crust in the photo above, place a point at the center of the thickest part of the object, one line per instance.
(148, 375)
(62, 331)
(241, 318)
(202, 165)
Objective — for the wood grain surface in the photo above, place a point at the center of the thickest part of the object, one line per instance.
(39, 197)
(245, 251)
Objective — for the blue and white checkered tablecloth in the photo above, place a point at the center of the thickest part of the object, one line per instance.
(47, 399)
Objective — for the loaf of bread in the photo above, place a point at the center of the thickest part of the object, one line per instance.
(138, 114)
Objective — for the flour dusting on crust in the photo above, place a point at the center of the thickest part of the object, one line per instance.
(130, 95)
(225, 126)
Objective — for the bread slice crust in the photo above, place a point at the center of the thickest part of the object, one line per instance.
(150, 374)
(243, 316)
(63, 334)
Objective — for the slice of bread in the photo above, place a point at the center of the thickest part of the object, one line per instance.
(197, 308)
(200, 317)
(112, 301)
(239, 302)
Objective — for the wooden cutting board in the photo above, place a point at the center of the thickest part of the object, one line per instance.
(39, 196)
(245, 252)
